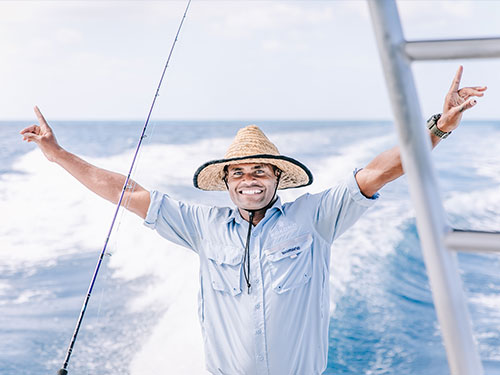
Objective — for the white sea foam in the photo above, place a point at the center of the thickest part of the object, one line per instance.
(488, 301)
(31, 295)
(357, 253)
(47, 214)
(355, 155)
(477, 210)
(5, 288)
(168, 165)
(175, 344)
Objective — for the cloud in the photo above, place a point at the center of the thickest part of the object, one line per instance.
(449, 18)
(67, 36)
(253, 59)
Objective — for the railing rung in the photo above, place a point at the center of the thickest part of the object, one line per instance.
(452, 49)
(473, 241)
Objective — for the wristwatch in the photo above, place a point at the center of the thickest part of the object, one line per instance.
(433, 128)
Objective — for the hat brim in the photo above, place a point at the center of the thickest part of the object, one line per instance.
(210, 176)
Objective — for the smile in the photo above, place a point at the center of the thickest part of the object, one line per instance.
(251, 191)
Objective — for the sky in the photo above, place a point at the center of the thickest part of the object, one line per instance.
(244, 60)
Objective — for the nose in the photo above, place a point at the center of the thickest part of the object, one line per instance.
(248, 177)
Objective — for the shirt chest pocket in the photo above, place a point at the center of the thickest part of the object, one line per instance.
(224, 267)
(290, 263)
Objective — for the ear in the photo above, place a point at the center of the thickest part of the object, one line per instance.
(224, 178)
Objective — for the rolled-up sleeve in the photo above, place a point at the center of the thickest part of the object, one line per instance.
(154, 208)
(174, 220)
(340, 207)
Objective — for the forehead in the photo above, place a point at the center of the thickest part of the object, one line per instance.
(249, 166)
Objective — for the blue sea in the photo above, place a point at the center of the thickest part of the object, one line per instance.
(142, 317)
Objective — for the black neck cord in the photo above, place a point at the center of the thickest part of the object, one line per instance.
(246, 256)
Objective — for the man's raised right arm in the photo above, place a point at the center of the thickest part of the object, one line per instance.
(104, 183)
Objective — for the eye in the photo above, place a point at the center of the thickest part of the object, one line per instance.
(259, 171)
(237, 173)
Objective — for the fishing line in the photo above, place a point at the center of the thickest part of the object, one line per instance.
(63, 370)
(114, 245)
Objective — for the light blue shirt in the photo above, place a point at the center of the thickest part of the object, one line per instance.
(281, 327)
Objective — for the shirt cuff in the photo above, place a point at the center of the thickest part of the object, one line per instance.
(355, 192)
(154, 207)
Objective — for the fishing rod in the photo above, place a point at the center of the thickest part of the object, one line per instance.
(63, 370)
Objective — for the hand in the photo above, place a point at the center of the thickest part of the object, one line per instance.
(43, 136)
(457, 101)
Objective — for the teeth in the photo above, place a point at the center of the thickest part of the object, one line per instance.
(250, 192)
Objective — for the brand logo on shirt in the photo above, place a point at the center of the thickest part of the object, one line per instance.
(290, 250)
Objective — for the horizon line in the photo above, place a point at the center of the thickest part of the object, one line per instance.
(223, 120)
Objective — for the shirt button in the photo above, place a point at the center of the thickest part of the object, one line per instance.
(257, 306)
(259, 331)
(254, 234)
(256, 281)
(261, 358)
(254, 256)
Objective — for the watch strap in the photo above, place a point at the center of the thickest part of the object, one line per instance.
(433, 128)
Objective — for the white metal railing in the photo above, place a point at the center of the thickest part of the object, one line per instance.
(473, 241)
(437, 238)
(452, 49)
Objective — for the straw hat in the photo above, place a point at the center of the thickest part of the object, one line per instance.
(252, 146)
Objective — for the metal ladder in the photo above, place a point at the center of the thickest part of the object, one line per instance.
(439, 242)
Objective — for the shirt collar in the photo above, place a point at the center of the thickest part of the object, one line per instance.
(235, 213)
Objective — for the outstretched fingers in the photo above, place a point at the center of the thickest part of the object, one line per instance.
(31, 129)
(455, 84)
(30, 137)
(467, 92)
(41, 119)
(34, 133)
(480, 88)
(31, 133)
(43, 136)
(466, 105)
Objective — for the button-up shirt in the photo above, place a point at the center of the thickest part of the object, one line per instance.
(281, 326)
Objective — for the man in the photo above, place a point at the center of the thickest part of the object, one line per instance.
(264, 266)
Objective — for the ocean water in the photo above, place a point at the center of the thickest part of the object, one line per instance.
(142, 317)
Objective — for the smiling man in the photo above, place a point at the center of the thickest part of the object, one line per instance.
(250, 185)
(264, 264)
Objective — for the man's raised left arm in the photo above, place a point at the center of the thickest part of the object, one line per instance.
(387, 166)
